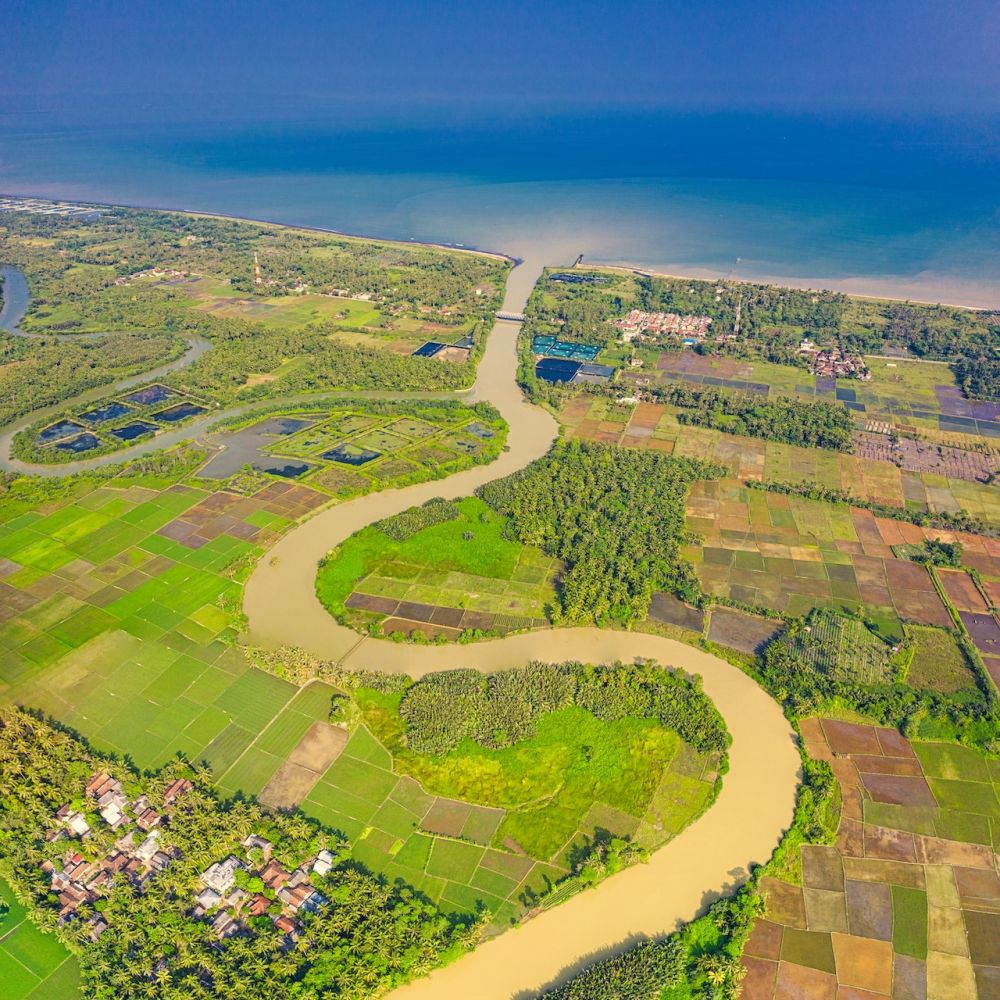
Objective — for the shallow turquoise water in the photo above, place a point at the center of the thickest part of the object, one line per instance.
(870, 207)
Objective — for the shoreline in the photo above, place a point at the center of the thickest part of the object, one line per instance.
(394, 241)
(800, 284)
(893, 293)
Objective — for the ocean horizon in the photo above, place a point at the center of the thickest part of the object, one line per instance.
(883, 208)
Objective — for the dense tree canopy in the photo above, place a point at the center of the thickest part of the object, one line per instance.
(616, 519)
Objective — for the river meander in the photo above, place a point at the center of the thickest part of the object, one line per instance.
(711, 857)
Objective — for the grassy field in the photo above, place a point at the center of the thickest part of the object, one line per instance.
(441, 566)
(33, 965)
(498, 828)
(938, 664)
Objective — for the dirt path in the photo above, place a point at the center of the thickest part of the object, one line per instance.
(710, 858)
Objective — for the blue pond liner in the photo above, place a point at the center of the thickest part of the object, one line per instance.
(150, 394)
(556, 369)
(131, 431)
(847, 395)
(429, 349)
(84, 442)
(179, 412)
(339, 454)
(62, 429)
(553, 348)
(110, 411)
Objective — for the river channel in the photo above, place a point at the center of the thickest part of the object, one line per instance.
(710, 858)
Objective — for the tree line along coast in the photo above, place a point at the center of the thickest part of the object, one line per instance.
(746, 535)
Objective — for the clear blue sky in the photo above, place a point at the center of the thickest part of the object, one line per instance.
(896, 56)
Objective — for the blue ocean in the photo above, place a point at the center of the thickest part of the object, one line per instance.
(879, 207)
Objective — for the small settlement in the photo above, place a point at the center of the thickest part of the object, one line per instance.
(831, 362)
(237, 890)
(137, 856)
(691, 329)
(232, 891)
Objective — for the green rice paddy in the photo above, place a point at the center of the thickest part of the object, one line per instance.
(441, 565)
(33, 965)
(121, 603)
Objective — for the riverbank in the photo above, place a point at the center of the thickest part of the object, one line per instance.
(709, 859)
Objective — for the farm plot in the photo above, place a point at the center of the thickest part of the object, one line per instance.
(792, 554)
(869, 475)
(120, 611)
(939, 663)
(907, 901)
(438, 577)
(843, 648)
(33, 965)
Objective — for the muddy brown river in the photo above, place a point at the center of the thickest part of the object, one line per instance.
(650, 900)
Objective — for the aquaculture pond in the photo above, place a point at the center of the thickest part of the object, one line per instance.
(109, 411)
(150, 394)
(179, 412)
(132, 431)
(62, 429)
(84, 442)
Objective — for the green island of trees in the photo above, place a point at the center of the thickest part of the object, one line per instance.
(615, 518)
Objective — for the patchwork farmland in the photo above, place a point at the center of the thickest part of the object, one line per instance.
(792, 554)
(906, 902)
(867, 474)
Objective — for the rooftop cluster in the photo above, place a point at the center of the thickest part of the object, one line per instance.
(238, 890)
(637, 323)
(832, 362)
(136, 856)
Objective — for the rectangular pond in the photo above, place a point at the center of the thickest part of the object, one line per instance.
(429, 349)
(102, 414)
(554, 348)
(150, 395)
(285, 468)
(350, 454)
(282, 426)
(179, 412)
(556, 369)
(61, 429)
(84, 442)
(132, 431)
